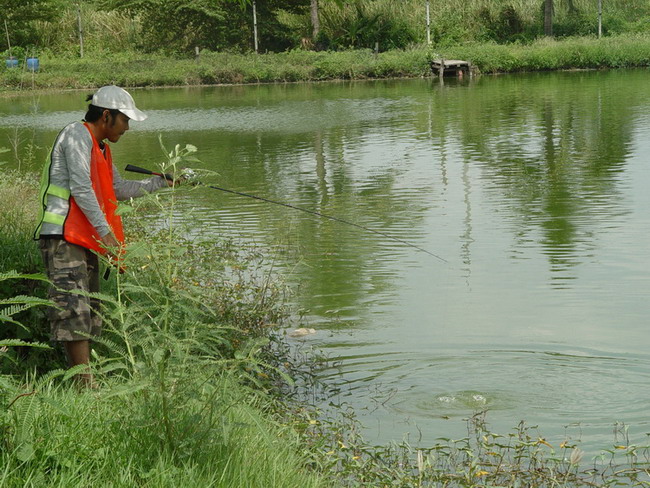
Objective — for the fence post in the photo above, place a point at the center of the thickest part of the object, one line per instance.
(255, 25)
(428, 24)
(600, 18)
(81, 31)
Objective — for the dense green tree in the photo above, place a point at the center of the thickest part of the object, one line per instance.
(180, 25)
(367, 24)
(314, 8)
(17, 16)
(177, 25)
(273, 34)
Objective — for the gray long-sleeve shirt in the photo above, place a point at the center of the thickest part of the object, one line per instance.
(70, 169)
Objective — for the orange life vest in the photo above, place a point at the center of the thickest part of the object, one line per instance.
(77, 228)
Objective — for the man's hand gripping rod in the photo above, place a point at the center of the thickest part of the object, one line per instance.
(189, 174)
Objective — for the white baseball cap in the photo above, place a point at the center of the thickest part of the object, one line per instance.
(114, 97)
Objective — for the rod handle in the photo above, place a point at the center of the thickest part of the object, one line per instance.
(144, 171)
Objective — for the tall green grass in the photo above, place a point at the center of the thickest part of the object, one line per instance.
(19, 252)
(362, 23)
(18, 222)
(628, 51)
(133, 69)
(185, 368)
(104, 31)
(54, 435)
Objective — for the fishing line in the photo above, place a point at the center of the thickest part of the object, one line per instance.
(136, 169)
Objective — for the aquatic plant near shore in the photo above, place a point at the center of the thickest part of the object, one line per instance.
(522, 457)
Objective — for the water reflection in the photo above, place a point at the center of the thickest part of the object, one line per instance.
(555, 152)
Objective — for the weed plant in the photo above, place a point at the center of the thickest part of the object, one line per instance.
(483, 458)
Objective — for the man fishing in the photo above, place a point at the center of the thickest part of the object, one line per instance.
(79, 192)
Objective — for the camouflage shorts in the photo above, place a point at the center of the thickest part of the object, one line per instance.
(71, 267)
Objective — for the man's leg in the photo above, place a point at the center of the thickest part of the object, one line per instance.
(78, 352)
(71, 267)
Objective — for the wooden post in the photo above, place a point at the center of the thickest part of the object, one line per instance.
(600, 18)
(8, 41)
(255, 25)
(315, 21)
(81, 31)
(428, 24)
(548, 18)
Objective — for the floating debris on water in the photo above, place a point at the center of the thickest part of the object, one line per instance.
(302, 332)
(479, 399)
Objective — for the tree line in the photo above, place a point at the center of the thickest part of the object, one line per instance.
(181, 26)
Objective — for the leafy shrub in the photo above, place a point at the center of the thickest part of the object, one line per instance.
(575, 24)
(19, 17)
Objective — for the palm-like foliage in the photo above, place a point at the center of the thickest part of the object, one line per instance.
(15, 305)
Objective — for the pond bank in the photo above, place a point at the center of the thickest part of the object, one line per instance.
(133, 69)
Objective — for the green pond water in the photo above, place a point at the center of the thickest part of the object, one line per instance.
(534, 189)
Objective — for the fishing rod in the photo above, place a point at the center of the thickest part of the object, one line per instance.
(167, 176)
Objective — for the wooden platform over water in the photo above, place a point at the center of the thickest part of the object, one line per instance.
(451, 67)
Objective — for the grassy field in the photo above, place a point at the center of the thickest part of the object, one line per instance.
(137, 70)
